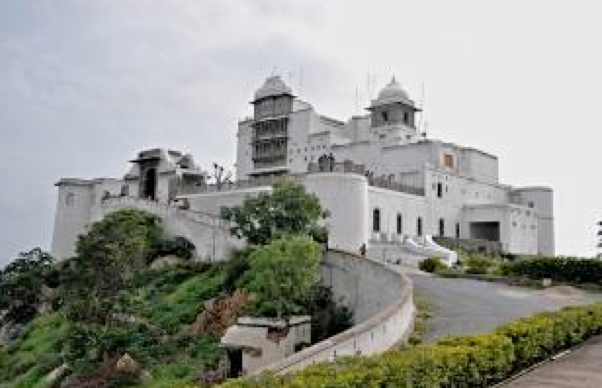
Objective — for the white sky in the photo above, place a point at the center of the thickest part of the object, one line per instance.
(85, 84)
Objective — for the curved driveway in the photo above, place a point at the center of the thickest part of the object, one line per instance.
(464, 306)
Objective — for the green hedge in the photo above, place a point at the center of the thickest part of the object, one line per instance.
(562, 269)
(458, 361)
(432, 264)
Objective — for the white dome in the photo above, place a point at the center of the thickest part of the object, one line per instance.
(273, 86)
(392, 90)
(393, 93)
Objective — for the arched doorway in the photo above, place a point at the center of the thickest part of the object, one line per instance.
(150, 184)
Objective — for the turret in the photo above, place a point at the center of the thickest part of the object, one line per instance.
(393, 115)
(272, 104)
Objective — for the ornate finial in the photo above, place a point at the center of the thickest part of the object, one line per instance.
(393, 80)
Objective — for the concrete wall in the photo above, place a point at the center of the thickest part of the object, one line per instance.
(73, 210)
(384, 311)
(348, 211)
(213, 202)
(391, 203)
(541, 201)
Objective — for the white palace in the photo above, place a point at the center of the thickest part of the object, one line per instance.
(386, 185)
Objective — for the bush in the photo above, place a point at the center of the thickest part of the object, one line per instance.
(459, 361)
(432, 264)
(562, 269)
(478, 265)
(178, 246)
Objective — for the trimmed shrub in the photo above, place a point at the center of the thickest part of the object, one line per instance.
(561, 269)
(479, 265)
(432, 264)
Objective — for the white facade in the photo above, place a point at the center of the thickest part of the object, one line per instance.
(450, 190)
(382, 180)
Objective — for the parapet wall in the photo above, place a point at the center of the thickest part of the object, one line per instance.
(381, 297)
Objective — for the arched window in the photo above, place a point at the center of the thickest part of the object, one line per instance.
(458, 231)
(419, 226)
(376, 220)
(440, 190)
(399, 224)
(406, 117)
(441, 227)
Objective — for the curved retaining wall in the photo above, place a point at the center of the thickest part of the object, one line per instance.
(381, 297)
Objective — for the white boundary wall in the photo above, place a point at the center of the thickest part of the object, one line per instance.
(380, 294)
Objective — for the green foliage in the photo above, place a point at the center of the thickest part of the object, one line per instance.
(562, 269)
(21, 284)
(35, 353)
(460, 361)
(236, 267)
(109, 256)
(328, 317)
(183, 304)
(282, 275)
(432, 264)
(479, 264)
(177, 246)
(287, 210)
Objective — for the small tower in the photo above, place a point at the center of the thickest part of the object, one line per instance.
(393, 115)
(272, 105)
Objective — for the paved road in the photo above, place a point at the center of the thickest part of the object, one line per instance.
(581, 368)
(463, 306)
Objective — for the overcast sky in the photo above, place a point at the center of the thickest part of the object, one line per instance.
(85, 84)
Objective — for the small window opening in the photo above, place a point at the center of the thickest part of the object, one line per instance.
(376, 220)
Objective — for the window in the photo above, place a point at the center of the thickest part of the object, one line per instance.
(406, 117)
(440, 190)
(448, 160)
(399, 224)
(70, 199)
(531, 205)
(385, 116)
(441, 227)
(457, 231)
(419, 227)
(376, 220)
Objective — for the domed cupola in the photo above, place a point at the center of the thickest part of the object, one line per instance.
(391, 94)
(393, 106)
(273, 86)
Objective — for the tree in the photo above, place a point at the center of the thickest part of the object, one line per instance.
(282, 275)
(108, 258)
(288, 209)
(21, 284)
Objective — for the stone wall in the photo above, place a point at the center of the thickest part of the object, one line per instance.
(381, 297)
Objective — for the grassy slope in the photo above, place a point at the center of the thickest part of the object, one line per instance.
(167, 299)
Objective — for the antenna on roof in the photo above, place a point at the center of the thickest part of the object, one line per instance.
(357, 99)
(422, 114)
